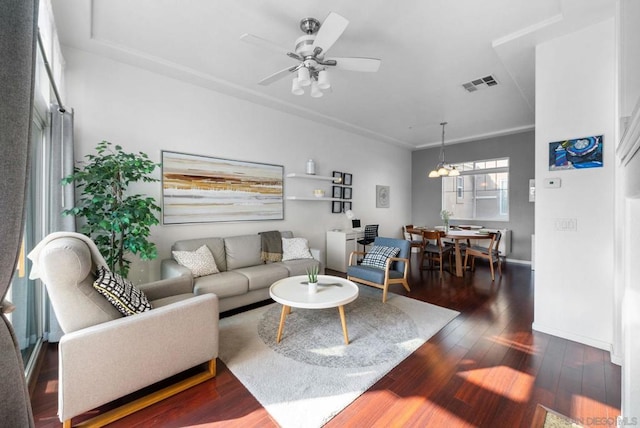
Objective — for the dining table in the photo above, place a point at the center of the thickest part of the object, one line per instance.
(463, 235)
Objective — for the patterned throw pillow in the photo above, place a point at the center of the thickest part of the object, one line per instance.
(295, 248)
(122, 294)
(378, 256)
(200, 262)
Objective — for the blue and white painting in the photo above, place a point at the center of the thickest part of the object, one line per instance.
(576, 154)
(200, 189)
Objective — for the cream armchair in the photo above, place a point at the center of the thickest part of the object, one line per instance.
(104, 355)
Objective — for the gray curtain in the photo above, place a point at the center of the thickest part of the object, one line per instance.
(18, 26)
(61, 197)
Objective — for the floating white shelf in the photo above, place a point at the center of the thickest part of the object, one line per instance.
(313, 198)
(314, 177)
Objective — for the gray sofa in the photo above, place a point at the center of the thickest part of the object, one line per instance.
(243, 278)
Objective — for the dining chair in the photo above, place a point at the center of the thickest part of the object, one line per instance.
(414, 236)
(491, 253)
(436, 251)
(370, 235)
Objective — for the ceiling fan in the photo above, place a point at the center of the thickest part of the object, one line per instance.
(310, 51)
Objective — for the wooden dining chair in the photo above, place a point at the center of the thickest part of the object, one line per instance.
(414, 236)
(435, 252)
(490, 253)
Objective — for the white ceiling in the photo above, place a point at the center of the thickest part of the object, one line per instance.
(429, 48)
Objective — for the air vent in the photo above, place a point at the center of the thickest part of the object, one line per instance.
(480, 83)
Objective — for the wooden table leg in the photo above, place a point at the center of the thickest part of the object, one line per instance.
(458, 258)
(344, 324)
(283, 316)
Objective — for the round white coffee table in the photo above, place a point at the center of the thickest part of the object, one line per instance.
(332, 292)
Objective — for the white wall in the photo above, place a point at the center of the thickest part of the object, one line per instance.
(143, 111)
(575, 97)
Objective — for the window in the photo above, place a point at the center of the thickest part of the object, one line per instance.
(480, 192)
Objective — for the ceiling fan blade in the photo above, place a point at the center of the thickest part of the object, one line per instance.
(263, 43)
(357, 64)
(330, 30)
(278, 75)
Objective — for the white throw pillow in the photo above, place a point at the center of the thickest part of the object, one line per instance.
(200, 262)
(295, 248)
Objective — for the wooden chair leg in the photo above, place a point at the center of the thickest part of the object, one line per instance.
(499, 266)
(493, 276)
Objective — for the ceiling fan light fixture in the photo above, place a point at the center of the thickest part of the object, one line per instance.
(315, 90)
(323, 79)
(296, 89)
(304, 78)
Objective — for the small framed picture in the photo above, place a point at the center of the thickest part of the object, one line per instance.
(336, 207)
(347, 179)
(346, 193)
(337, 192)
(337, 177)
(346, 206)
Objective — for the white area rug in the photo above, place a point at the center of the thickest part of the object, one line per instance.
(311, 375)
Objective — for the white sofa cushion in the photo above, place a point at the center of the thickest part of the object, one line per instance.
(200, 262)
(295, 248)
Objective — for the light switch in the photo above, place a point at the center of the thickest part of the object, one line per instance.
(566, 224)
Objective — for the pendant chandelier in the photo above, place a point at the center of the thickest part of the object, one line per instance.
(443, 169)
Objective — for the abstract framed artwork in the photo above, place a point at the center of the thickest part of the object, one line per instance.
(346, 206)
(346, 193)
(203, 189)
(337, 177)
(578, 153)
(336, 207)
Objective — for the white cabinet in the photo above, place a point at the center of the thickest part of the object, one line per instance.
(314, 177)
(340, 244)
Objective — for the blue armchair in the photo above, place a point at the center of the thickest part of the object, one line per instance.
(393, 270)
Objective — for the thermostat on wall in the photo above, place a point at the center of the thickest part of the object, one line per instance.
(552, 183)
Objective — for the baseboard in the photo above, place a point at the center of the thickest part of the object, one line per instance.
(573, 337)
(519, 262)
(616, 359)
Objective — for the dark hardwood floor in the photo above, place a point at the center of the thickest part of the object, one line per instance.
(484, 369)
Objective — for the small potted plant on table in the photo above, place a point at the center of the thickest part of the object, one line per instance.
(312, 276)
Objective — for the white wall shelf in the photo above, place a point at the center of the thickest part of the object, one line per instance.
(313, 198)
(314, 177)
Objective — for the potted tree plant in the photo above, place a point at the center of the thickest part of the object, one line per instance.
(119, 223)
